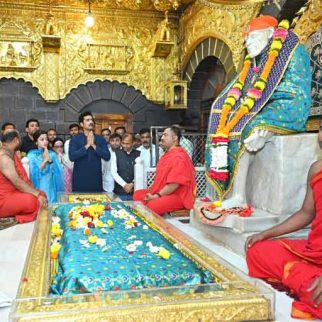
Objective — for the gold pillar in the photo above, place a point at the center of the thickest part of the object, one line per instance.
(51, 46)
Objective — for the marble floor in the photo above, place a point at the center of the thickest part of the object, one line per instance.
(14, 244)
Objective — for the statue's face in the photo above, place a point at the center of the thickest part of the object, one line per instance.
(257, 40)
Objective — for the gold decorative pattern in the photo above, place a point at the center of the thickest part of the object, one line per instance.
(309, 21)
(234, 300)
(51, 76)
(19, 49)
(226, 22)
(116, 48)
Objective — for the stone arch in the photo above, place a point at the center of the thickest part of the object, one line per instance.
(210, 47)
(127, 97)
(113, 97)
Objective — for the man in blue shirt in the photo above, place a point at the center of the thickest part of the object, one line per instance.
(87, 150)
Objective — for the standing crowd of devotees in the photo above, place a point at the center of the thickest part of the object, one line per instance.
(274, 84)
(89, 163)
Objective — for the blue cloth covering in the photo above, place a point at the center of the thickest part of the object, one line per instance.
(83, 270)
(50, 179)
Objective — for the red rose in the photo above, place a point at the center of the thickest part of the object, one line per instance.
(85, 213)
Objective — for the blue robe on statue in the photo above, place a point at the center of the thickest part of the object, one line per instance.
(87, 173)
(283, 108)
(51, 178)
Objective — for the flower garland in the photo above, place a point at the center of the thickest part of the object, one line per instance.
(219, 149)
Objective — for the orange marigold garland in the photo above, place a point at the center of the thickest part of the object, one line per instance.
(219, 149)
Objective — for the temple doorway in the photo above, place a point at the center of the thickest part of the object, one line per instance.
(207, 71)
(112, 121)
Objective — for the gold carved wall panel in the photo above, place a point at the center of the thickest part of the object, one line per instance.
(310, 21)
(116, 48)
(226, 22)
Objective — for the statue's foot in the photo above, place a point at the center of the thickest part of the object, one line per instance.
(233, 202)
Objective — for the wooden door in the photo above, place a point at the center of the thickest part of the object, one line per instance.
(204, 119)
(112, 121)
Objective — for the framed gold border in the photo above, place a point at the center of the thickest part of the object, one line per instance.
(237, 299)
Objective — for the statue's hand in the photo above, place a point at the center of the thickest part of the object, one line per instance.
(257, 140)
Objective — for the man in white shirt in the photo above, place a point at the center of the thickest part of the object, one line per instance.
(122, 168)
(147, 149)
(108, 181)
(73, 130)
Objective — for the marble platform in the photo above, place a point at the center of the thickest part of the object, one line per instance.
(14, 244)
(277, 177)
(276, 186)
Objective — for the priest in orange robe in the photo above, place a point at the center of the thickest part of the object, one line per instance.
(17, 196)
(297, 264)
(174, 184)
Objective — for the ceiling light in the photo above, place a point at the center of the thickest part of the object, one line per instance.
(89, 20)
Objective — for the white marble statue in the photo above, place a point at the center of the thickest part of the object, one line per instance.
(270, 96)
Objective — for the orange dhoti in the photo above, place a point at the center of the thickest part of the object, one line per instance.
(294, 263)
(160, 205)
(175, 166)
(23, 206)
(14, 203)
(275, 262)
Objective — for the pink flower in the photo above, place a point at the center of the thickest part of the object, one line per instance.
(256, 69)
(280, 33)
(254, 92)
(234, 92)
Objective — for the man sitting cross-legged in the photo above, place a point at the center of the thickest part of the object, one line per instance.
(297, 264)
(17, 196)
(174, 184)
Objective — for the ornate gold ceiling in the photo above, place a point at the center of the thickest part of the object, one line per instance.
(145, 5)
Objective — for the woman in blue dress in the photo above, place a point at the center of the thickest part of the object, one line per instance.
(46, 172)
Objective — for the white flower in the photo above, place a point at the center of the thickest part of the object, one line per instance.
(55, 219)
(101, 242)
(84, 242)
(154, 249)
(138, 242)
(131, 248)
(219, 157)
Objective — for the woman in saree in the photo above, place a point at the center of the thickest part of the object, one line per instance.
(46, 172)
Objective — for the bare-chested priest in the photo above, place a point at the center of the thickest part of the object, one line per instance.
(17, 196)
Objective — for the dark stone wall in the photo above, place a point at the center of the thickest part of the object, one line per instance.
(19, 101)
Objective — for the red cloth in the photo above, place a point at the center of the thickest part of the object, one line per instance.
(160, 205)
(175, 166)
(14, 203)
(261, 22)
(295, 263)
